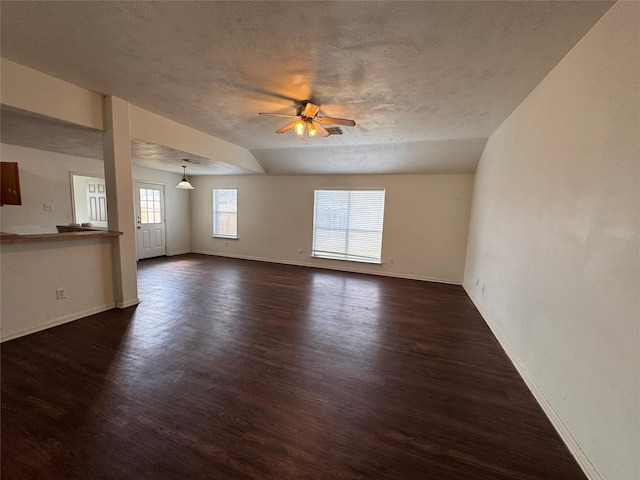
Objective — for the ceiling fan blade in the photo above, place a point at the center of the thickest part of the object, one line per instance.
(311, 109)
(278, 115)
(287, 127)
(337, 121)
(321, 130)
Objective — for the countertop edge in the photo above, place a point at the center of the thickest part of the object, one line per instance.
(56, 237)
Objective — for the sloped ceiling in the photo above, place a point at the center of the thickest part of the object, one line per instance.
(426, 82)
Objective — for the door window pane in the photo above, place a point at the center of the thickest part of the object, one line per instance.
(150, 210)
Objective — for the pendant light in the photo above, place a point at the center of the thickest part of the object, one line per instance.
(184, 183)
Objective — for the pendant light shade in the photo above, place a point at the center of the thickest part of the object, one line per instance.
(184, 183)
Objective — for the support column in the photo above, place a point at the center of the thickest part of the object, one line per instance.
(120, 206)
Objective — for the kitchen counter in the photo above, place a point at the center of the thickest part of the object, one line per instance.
(82, 234)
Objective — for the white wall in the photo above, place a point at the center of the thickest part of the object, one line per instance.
(425, 228)
(154, 128)
(554, 243)
(33, 91)
(31, 273)
(44, 178)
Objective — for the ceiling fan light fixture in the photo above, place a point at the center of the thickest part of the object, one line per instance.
(299, 127)
(307, 123)
(184, 183)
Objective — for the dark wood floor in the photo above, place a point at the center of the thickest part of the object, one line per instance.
(233, 369)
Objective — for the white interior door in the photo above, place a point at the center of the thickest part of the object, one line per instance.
(150, 220)
(97, 202)
(89, 195)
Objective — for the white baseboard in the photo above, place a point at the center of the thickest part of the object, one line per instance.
(325, 267)
(572, 444)
(178, 252)
(128, 303)
(59, 321)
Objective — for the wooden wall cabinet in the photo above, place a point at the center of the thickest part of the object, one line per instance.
(9, 184)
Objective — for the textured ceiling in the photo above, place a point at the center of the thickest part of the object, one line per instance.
(426, 82)
(35, 131)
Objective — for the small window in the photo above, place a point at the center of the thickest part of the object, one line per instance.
(150, 211)
(225, 212)
(347, 225)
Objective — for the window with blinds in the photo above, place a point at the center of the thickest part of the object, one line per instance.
(347, 225)
(225, 212)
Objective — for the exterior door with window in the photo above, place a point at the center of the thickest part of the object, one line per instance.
(150, 220)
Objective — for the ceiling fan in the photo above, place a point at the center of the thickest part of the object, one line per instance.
(308, 121)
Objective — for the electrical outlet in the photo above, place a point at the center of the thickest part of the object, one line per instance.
(391, 260)
(226, 244)
(61, 293)
(48, 207)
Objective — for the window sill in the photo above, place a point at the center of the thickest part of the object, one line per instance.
(227, 237)
(373, 262)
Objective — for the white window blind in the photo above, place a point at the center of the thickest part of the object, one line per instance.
(347, 225)
(225, 212)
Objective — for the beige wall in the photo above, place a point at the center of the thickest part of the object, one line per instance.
(33, 91)
(44, 178)
(31, 273)
(162, 131)
(553, 255)
(425, 228)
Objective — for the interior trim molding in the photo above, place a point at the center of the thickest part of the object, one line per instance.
(325, 267)
(59, 321)
(178, 252)
(129, 303)
(567, 437)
